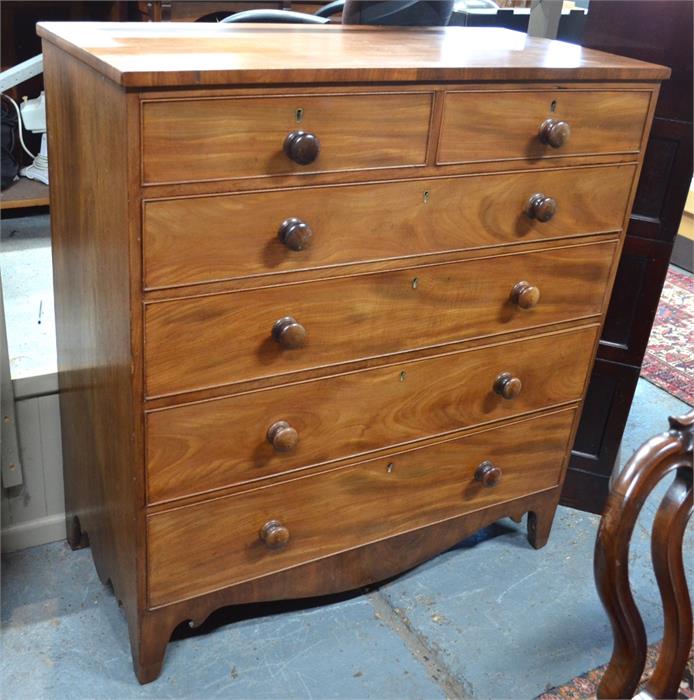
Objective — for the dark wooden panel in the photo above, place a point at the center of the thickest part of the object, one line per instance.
(650, 30)
(599, 435)
(634, 301)
(664, 181)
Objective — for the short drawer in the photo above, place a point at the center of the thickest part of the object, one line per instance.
(226, 138)
(226, 338)
(202, 446)
(486, 126)
(342, 509)
(204, 239)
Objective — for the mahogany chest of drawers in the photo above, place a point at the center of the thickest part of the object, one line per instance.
(326, 298)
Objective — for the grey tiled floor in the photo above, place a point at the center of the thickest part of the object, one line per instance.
(490, 618)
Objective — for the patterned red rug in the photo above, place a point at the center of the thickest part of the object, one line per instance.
(585, 687)
(669, 360)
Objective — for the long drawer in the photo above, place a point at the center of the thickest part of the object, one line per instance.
(201, 239)
(490, 125)
(202, 446)
(225, 138)
(345, 508)
(224, 338)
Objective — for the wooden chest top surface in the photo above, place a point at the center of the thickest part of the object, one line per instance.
(149, 55)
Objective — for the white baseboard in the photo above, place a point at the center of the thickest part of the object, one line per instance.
(38, 385)
(33, 532)
(33, 512)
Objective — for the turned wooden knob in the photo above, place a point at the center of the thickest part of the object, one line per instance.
(507, 385)
(488, 474)
(274, 534)
(541, 207)
(302, 147)
(295, 234)
(525, 295)
(554, 132)
(289, 333)
(282, 436)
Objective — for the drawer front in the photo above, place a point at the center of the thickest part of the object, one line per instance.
(225, 338)
(202, 239)
(229, 138)
(371, 501)
(211, 444)
(482, 126)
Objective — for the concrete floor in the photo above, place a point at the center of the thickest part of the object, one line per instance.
(491, 618)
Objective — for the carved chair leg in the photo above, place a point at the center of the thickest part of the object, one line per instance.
(666, 548)
(611, 564)
(656, 458)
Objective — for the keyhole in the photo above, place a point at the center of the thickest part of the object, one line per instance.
(426, 197)
(415, 283)
(299, 115)
(403, 374)
(390, 467)
(553, 106)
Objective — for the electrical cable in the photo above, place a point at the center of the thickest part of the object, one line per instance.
(20, 125)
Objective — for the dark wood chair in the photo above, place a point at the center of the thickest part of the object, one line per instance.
(661, 455)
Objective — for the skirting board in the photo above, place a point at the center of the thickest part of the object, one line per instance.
(33, 533)
(34, 512)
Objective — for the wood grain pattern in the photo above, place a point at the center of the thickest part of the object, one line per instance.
(349, 570)
(203, 239)
(216, 392)
(656, 458)
(301, 180)
(476, 126)
(225, 338)
(194, 124)
(212, 444)
(667, 542)
(423, 487)
(211, 139)
(225, 54)
(91, 276)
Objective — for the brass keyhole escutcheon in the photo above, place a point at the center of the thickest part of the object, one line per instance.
(553, 106)
(299, 115)
(390, 467)
(403, 374)
(426, 197)
(415, 283)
